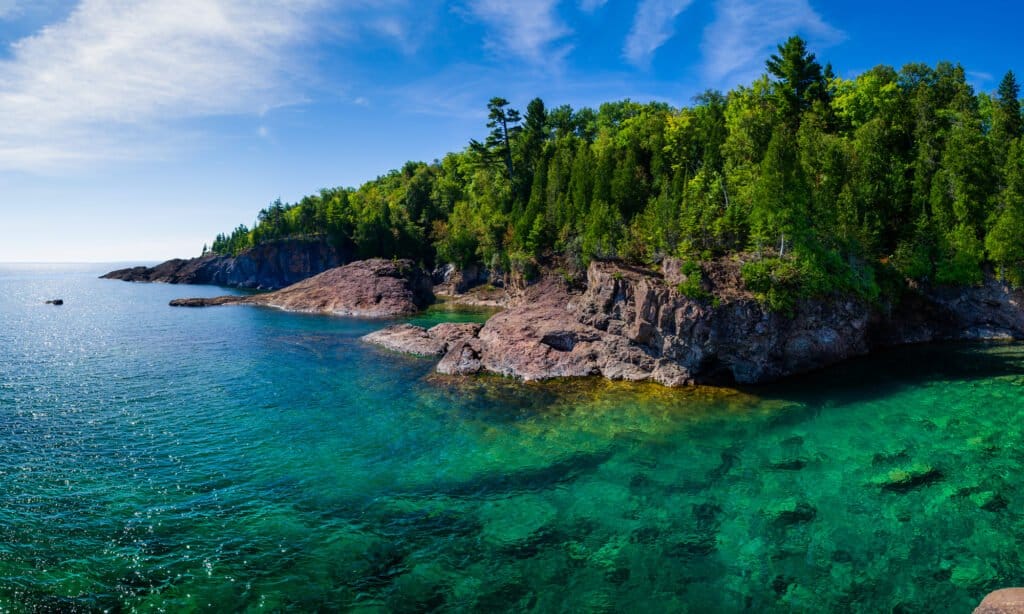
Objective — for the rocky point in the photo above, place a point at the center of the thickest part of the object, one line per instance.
(633, 324)
(373, 288)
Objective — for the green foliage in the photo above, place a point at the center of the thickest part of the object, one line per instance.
(781, 282)
(1005, 240)
(776, 281)
(824, 184)
(602, 230)
(692, 287)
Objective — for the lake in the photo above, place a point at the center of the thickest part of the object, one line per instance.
(166, 459)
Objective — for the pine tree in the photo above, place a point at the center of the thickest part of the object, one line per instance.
(800, 79)
(504, 125)
(1006, 120)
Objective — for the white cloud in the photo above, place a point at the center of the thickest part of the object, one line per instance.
(97, 84)
(527, 29)
(745, 32)
(653, 26)
(589, 6)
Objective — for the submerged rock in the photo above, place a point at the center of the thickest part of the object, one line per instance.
(790, 512)
(373, 288)
(788, 464)
(989, 501)
(907, 479)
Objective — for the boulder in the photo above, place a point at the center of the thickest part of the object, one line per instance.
(419, 341)
(1003, 601)
(463, 358)
(407, 339)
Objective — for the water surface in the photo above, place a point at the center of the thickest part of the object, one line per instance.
(162, 459)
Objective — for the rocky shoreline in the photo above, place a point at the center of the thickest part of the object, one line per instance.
(623, 323)
(632, 324)
(373, 288)
(271, 266)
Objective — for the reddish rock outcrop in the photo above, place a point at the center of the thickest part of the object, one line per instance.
(633, 324)
(373, 288)
(419, 341)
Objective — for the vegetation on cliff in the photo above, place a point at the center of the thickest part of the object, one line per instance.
(821, 183)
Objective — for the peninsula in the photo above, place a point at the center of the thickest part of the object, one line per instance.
(779, 228)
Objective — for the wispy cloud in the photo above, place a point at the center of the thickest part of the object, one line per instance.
(589, 6)
(8, 8)
(101, 80)
(527, 29)
(980, 76)
(653, 26)
(746, 31)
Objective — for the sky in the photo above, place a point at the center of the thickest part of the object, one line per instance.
(136, 130)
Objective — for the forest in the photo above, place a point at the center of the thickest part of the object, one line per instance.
(816, 183)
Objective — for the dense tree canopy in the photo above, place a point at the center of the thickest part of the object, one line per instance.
(817, 183)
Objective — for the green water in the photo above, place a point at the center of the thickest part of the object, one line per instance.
(159, 459)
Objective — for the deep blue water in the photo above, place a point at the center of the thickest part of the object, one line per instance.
(235, 458)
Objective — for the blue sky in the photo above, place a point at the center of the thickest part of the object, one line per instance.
(135, 130)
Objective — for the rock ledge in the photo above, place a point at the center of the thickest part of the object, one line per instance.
(373, 288)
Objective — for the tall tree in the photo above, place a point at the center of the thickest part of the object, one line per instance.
(1006, 120)
(534, 135)
(800, 79)
(504, 125)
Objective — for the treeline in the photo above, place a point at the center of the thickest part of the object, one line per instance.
(819, 183)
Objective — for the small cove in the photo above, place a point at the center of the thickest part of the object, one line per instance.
(161, 459)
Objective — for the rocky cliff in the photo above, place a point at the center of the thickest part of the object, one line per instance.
(632, 324)
(266, 267)
(373, 288)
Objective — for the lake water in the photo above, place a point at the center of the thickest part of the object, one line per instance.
(162, 459)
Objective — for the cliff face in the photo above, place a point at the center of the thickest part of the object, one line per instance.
(266, 267)
(631, 324)
(373, 288)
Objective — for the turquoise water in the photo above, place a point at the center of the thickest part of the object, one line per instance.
(159, 459)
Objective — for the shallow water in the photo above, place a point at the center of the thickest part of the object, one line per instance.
(161, 459)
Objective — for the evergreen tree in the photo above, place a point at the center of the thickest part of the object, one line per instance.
(504, 125)
(800, 79)
(1006, 119)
